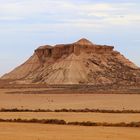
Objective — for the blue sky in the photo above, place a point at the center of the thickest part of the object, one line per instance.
(26, 24)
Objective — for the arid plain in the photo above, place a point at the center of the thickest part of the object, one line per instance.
(11, 99)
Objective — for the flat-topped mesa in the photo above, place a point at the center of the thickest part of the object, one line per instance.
(83, 45)
(81, 62)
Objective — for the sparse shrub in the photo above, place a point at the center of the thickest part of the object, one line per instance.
(69, 110)
(62, 122)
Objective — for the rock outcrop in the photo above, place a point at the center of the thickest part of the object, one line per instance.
(83, 45)
(81, 62)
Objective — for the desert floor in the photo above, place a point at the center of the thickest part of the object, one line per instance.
(71, 117)
(74, 101)
(31, 131)
(17, 131)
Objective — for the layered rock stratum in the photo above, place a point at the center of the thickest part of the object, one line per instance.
(81, 62)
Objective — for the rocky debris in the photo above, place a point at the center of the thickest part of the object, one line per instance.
(81, 62)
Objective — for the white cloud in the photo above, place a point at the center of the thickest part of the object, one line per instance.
(70, 13)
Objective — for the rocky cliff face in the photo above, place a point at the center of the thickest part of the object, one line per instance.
(83, 45)
(81, 62)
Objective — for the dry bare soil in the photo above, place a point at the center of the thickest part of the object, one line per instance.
(13, 131)
(74, 101)
(73, 117)
(31, 131)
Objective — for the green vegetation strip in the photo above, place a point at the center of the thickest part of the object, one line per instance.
(63, 122)
(86, 110)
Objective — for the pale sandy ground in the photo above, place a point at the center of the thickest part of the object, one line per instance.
(69, 117)
(74, 101)
(21, 131)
